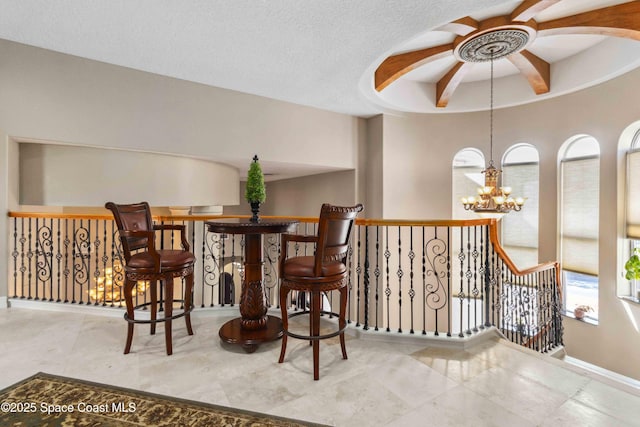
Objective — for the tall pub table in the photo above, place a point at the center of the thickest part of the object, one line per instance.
(254, 326)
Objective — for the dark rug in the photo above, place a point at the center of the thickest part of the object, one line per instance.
(52, 401)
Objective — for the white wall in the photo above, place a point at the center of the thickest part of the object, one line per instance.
(418, 151)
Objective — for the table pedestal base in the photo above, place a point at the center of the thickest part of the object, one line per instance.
(232, 332)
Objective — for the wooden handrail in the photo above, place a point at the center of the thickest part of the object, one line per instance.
(305, 219)
(492, 223)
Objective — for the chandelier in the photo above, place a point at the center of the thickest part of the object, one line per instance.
(492, 200)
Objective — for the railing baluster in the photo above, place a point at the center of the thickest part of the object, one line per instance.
(358, 274)
(387, 290)
(424, 289)
(377, 274)
(447, 296)
(58, 259)
(15, 254)
(366, 278)
(489, 290)
(96, 272)
(411, 291)
(399, 273)
(461, 256)
(30, 259)
(486, 277)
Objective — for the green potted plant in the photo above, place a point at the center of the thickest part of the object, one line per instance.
(632, 271)
(255, 192)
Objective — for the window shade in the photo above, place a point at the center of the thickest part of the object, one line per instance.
(633, 195)
(580, 218)
(520, 229)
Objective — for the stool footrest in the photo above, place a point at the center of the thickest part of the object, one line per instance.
(161, 319)
(319, 337)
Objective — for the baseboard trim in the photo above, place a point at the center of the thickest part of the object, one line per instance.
(66, 308)
(4, 303)
(604, 374)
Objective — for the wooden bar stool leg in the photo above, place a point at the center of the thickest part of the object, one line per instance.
(128, 287)
(284, 291)
(315, 326)
(188, 292)
(310, 295)
(342, 322)
(168, 311)
(153, 293)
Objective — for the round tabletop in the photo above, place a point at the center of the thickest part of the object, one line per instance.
(245, 226)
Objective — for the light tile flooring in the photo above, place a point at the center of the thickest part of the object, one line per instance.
(382, 383)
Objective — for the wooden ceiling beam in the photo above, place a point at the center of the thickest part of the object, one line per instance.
(396, 66)
(461, 27)
(528, 9)
(449, 83)
(622, 20)
(536, 70)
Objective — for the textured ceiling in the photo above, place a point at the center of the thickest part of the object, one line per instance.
(319, 53)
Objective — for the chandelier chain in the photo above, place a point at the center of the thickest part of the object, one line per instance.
(491, 116)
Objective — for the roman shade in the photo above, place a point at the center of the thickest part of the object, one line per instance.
(633, 194)
(520, 229)
(579, 212)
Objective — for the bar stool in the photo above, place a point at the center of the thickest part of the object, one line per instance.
(325, 271)
(144, 262)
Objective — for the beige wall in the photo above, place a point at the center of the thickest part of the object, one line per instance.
(4, 207)
(67, 175)
(374, 171)
(50, 96)
(304, 196)
(418, 151)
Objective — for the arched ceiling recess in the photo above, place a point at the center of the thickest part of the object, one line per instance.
(540, 49)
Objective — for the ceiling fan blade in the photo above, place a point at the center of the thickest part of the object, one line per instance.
(396, 66)
(535, 69)
(622, 20)
(449, 83)
(530, 8)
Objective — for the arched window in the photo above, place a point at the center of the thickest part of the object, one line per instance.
(520, 171)
(579, 221)
(632, 202)
(468, 164)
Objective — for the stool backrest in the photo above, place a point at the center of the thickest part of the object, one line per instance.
(133, 217)
(334, 230)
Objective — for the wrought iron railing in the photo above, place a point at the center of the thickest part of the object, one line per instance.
(439, 278)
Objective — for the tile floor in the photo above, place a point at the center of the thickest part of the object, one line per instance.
(382, 384)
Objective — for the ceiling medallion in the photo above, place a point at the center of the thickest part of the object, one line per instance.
(493, 45)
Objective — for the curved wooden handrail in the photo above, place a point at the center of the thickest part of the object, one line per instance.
(493, 237)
